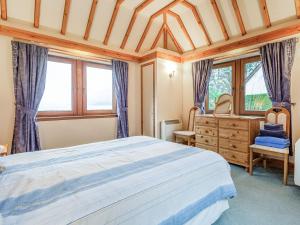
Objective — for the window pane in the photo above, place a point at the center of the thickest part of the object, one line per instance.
(58, 90)
(99, 88)
(256, 96)
(220, 83)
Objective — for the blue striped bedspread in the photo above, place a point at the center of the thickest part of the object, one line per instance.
(130, 181)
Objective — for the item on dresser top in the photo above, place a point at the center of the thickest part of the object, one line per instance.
(272, 142)
(272, 126)
(272, 133)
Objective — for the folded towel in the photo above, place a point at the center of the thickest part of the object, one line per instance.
(272, 126)
(273, 133)
(273, 145)
(272, 142)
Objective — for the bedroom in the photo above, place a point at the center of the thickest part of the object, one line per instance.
(156, 43)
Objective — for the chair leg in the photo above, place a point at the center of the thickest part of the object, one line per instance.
(285, 169)
(189, 141)
(265, 163)
(251, 162)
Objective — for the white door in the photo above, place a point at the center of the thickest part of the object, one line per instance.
(148, 100)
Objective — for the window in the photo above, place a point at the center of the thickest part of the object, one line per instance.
(98, 88)
(58, 94)
(77, 89)
(255, 97)
(244, 80)
(220, 83)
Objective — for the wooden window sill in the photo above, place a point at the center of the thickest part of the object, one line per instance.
(54, 118)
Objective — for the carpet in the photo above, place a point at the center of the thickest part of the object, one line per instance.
(262, 199)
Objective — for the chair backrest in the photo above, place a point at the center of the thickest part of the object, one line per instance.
(224, 105)
(279, 115)
(192, 114)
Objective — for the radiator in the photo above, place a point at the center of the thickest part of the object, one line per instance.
(297, 163)
(167, 127)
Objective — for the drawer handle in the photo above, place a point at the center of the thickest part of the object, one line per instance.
(233, 135)
(233, 146)
(234, 125)
(206, 122)
(233, 156)
(206, 141)
(206, 131)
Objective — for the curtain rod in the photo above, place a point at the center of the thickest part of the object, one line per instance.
(67, 52)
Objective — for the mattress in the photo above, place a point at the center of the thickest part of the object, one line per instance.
(130, 181)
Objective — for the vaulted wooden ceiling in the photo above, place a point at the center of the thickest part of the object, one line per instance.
(141, 25)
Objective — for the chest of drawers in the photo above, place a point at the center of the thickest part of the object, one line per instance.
(230, 136)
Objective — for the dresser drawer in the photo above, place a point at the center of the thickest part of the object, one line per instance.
(207, 147)
(211, 131)
(235, 157)
(234, 124)
(206, 121)
(207, 140)
(240, 146)
(240, 135)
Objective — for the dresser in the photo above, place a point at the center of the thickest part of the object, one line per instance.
(230, 136)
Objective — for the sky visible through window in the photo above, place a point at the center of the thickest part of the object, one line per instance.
(99, 89)
(58, 90)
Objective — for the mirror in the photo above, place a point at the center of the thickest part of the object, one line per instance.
(224, 105)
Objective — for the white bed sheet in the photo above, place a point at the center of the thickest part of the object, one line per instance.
(133, 181)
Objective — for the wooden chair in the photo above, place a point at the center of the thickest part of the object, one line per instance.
(4, 152)
(189, 134)
(276, 115)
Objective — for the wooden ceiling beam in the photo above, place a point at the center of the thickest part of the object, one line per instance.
(265, 13)
(178, 46)
(37, 13)
(64, 23)
(297, 5)
(198, 19)
(255, 41)
(137, 10)
(165, 31)
(112, 21)
(90, 20)
(220, 19)
(62, 43)
(3, 10)
(183, 28)
(158, 36)
(158, 13)
(238, 16)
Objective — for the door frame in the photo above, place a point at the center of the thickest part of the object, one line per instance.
(154, 94)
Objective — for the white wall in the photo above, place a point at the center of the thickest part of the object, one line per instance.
(69, 132)
(168, 91)
(295, 93)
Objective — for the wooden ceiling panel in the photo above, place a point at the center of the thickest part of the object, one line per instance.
(21, 10)
(251, 14)
(281, 11)
(78, 17)
(136, 25)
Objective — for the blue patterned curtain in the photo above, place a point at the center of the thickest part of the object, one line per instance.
(277, 63)
(29, 71)
(120, 82)
(201, 71)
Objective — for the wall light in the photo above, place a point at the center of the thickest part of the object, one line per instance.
(172, 74)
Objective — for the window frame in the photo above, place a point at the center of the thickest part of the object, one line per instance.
(84, 88)
(242, 85)
(238, 86)
(73, 112)
(233, 83)
(79, 100)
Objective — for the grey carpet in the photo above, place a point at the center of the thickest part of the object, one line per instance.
(262, 199)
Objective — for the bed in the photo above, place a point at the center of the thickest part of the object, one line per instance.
(130, 181)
